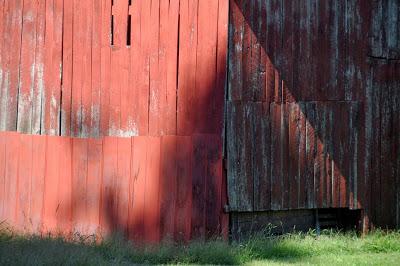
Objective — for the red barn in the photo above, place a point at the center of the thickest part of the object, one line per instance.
(187, 119)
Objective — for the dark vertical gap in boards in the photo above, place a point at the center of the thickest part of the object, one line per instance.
(129, 28)
(112, 30)
(112, 24)
(128, 33)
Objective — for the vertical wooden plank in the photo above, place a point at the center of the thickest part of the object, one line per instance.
(138, 93)
(262, 154)
(261, 35)
(156, 92)
(213, 185)
(294, 155)
(183, 210)
(38, 181)
(67, 67)
(53, 66)
(319, 165)
(4, 18)
(312, 48)
(246, 181)
(24, 184)
(108, 193)
(310, 155)
(144, 71)
(86, 67)
(5, 75)
(172, 38)
(105, 75)
(168, 187)
(233, 148)
(3, 161)
(344, 146)
(396, 99)
(222, 62)
(12, 86)
(276, 157)
(188, 36)
(208, 96)
(250, 53)
(65, 200)
(302, 167)
(79, 186)
(337, 159)
(236, 29)
(27, 67)
(374, 120)
(387, 167)
(94, 168)
(240, 158)
(354, 144)
(50, 199)
(137, 188)
(322, 45)
(199, 168)
(152, 188)
(96, 69)
(77, 71)
(284, 146)
(134, 69)
(39, 81)
(289, 91)
(122, 183)
(328, 153)
(274, 48)
(11, 177)
(163, 101)
(119, 56)
(121, 32)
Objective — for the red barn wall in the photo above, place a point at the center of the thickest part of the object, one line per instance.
(313, 107)
(119, 108)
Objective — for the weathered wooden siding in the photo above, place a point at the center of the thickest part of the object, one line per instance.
(313, 106)
(76, 68)
(140, 186)
(76, 76)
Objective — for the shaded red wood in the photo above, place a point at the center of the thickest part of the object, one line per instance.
(121, 181)
(108, 205)
(152, 188)
(137, 188)
(183, 207)
(168, 186)
(188, 40)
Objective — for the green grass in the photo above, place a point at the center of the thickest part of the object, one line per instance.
(332, 248)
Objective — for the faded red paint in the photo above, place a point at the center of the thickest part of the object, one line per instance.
(144, 113)
(141, 186)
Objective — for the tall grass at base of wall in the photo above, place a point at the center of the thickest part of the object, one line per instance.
(294, 248)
